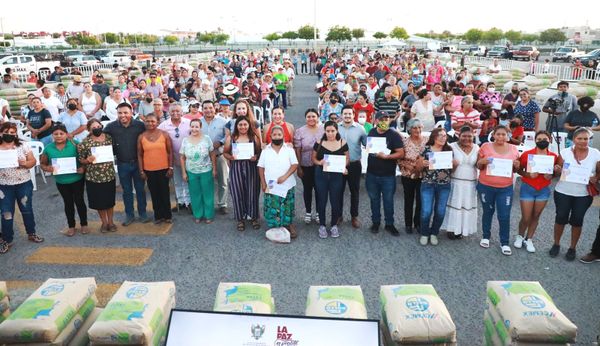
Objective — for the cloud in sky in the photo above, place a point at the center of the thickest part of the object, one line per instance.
(244, 22)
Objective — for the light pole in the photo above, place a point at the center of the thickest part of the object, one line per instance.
(315, 26)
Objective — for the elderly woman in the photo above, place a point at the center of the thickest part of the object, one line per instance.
(16, 186)
(276, 169)
(414, 145)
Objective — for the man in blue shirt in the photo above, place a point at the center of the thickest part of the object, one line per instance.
(214, 127)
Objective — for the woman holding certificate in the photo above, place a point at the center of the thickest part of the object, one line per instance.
(330, 156)
(537, 169)
(497, 162)
(573, 193)
(96, 153)
(60, 159)
(412, 175)
(242, 149)
(437, 163)
(16, 159)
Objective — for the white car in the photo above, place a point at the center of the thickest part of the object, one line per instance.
(117, 56)
(85, 60)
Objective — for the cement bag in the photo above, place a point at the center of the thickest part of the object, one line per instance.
(529, 313)
(13, 92)
(494, 329)
(244, 297)
(278, 235)
(416, 314)
(4, 315)
(81, 337)
(134, 314)
(47, 311)
(4, 304)
(336, 301)
(3, 290)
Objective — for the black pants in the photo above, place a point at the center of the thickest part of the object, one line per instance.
(158, 184)
(72, 195)
(308, 183)
(412, 191)
(304, 70)
(352, 179)
(596, 245)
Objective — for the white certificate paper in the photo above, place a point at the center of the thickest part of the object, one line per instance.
(500, 167)
(242, 151)
(440, 160)
(9, 159)
(64, 165)
(543, 164)
(334, 163)
(575, 174)
(377, 145)
(103, 154)
(276, 189)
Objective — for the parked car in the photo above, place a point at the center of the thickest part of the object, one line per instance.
(99, 53)
(526, 53)
(499, 52)
(85, 60)
(117, 56)
(23, 64)
(567, 54)
(593, 56)
(477, 50)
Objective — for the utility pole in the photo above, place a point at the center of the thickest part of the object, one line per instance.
(315, 26)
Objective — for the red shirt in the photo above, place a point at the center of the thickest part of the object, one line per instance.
(368, 108)
(518, 131)
(538, 182)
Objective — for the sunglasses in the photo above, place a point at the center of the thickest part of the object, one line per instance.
(177, 132)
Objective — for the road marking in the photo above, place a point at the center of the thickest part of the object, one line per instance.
(135, 228)
(90, 256)
(104, 291)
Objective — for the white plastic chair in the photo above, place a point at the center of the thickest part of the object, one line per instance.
(37, 148)
(258, 114)
(105, 122)
(441, 123)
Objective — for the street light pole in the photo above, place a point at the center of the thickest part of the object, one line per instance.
(315, 26)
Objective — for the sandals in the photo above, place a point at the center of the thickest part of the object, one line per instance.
(69, 232)
(255, 224)
(506, 251)
(111, 228)
(241, 226)
(4, 246)
(84, 230)
(104, 229)
(293, 232)
(484, 243)
(208, 221)
(307, 218)
(35, 238)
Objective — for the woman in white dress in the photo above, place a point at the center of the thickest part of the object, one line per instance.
(111, 102)
(90, 102)
(461, 215)
(422, 109)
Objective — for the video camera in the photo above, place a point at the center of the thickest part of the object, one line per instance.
(555, 102)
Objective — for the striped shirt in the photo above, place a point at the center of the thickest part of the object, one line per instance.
(391, 107)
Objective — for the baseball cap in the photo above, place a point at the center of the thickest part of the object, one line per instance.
(381, 114)
(224, 102)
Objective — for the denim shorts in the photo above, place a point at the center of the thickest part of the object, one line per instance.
(528, 193)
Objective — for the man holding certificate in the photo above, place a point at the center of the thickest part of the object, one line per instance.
(497, 162)
(381, 171)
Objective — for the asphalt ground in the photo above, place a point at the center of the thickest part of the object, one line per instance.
(198, 257)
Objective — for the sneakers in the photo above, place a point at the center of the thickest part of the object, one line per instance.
(529, 244)
(570, 255)
(518, 241)
(554, 250)
(589, 258)
(35, 238)
(433, 239)
(128, 221)
(392, 229)
(375, 227)
(335, 233)
(423, 240)
(3, 246)
(307, 218)
(408, 230)
(322, 232)
(145, 219)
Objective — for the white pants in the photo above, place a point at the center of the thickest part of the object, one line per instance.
(222, 181)
(182, 193)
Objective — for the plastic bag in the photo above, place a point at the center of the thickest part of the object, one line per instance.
(278, 235)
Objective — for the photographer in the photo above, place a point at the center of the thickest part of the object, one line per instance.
(560, 105)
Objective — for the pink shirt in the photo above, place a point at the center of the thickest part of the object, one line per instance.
(487, 151)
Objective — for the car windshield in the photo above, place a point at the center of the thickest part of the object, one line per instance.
(564, 50)
(595, 52)
(525, 49)
(497, 49)
(72, 52)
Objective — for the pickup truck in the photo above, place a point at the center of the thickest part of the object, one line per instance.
(527, 53)
(23, 64)
(499, 52)
(567, 54)
(117, 56)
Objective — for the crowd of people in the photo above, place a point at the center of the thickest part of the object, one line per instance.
(452, 137)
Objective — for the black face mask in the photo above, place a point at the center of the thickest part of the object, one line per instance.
(277, 141)
(97, 132)
(334, 101)
(543, 144)
(8, 138)
(72, 106)
(148, 99)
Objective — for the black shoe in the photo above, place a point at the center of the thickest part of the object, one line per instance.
(392, 229)
(570, 255)
(408, 230)
(451, 235)
(375, 227)
(554, 250)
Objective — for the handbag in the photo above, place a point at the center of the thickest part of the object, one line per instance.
(592, 189)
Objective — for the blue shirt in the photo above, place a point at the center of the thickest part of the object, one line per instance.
(216, 129)
(72, 122)
(355, 136)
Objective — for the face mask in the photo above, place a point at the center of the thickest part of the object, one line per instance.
(8, 138)
(362, 120)
(334, 101)
(564, 94)
(503, 122)
(149, 99)
(97, 132)
(383, 126)
(72, 106)
(543, 144)
(491, 90)
(277, 141)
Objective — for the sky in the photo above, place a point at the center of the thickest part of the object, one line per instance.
(244, 23)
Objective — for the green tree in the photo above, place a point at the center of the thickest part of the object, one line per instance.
(446, 35)
(148, 39)
(552, 36)
(358, 34)
(492, 35)
(220, 38)
(399, 33)
(272, 37)
(170, 40)
(513, 36)
(380, 35)
(307, 32)
(56, 35)
(9, 36)
(339, 34)
(110, 37)
(473, 35)
(81, 40)
(289, 35)
(530, 37)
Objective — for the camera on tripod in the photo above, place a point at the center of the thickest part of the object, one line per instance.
(555, 102)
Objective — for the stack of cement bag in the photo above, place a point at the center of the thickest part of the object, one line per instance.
(4, 302)
(336, 301)
(52, 315)
(415, 314)
(138, 314)
(522, 313)
(16, 98)
(244, 297)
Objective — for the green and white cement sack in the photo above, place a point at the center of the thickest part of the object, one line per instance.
(135, 314)
(81, 337)
(495, 334)
(4, 315)
(336, 301)
(528, 312)
(47, 311)
(414, 314)
(244, 297)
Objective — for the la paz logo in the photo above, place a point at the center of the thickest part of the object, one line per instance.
(284, 338)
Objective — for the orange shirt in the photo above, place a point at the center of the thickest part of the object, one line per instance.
(155, 154)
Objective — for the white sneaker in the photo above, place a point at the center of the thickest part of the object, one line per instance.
(322, 232)
(334, 232)
(433, 239)
(423, 240)
(529, 245)
(519, 241)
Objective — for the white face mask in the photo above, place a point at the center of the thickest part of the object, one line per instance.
(362, 120)
(491, 90)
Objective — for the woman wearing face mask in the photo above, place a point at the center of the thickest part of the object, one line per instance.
(89, 102)
(74, 121)
(362, 120)
(582, 117)
(276, 168)
(363, 104)
(529, 110)
(70, 185)
(333, 106)
(535, 191)
(99, 177)
(16, 186)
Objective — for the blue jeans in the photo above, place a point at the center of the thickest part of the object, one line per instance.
(281, 98)
(20, 193)
(493, 198)
(129, 177)
(434, 197)
(378, 186)
(329, 185)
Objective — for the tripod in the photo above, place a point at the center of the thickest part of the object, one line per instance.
(552, 128)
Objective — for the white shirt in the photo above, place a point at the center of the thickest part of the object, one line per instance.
(53, 106)
(290, 73)
(451, 64)
(424, 112)
(277, 164)
(495, 68)
(575, 189)
(74, 91)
